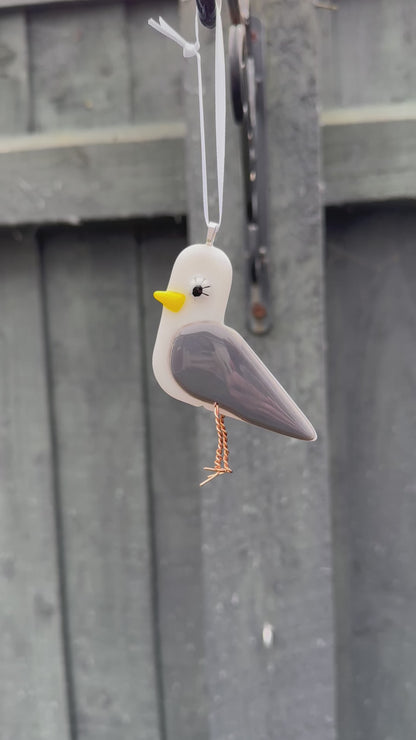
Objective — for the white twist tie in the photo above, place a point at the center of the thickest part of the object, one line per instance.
(190, 50)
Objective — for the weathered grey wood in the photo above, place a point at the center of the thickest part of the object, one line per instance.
(369, 154)
(175, 477)
(367, 53)
(33, 699)
(102, 174)
(372, 386)
(80, 71)
(7, 4)
(156, 84)
(14, 88)
(96, 367)
(266, 531)
(138, 171)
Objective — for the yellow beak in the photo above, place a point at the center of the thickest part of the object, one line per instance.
(170, 299)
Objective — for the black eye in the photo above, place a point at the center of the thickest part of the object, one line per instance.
(197, 291)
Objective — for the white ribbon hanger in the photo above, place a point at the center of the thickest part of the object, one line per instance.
(192, 50)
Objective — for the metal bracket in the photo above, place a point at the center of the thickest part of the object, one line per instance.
(246, 43)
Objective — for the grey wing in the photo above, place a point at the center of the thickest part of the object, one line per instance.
(215, 364)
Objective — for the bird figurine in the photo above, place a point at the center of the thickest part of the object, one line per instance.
(201, 361)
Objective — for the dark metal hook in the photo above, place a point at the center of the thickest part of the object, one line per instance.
(207, 12)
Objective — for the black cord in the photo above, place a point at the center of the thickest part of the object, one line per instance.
(206, 10)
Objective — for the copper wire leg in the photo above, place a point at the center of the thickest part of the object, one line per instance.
(222, 454)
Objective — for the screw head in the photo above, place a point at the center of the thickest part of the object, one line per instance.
(268, 635)
(259, 311)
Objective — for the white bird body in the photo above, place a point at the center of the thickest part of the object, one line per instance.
(200, 361)
(193, 262)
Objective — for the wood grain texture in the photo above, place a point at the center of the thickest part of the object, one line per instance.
(367, 53)
(14, 84)
(266, 529)
(74, 176)
(138, 171)
(174, 483)
(80, 71)
(371, 266)
(33, 699)
(369, 154)
(96, 369)
(156, 85)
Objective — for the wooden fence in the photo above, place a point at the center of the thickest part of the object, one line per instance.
(132, 603)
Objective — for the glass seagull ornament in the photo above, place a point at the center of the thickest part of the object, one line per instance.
(201, 361)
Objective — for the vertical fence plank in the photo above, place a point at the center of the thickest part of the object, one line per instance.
(156, 86)
(14, 86)
(32, 672)
(96, 368)
(174, 489)
(80, 71)
(372, 382)
(367, 53)
(266, 528)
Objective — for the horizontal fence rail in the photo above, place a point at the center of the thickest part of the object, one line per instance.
(138, 171)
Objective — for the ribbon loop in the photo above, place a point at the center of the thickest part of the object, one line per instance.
(190, 50)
